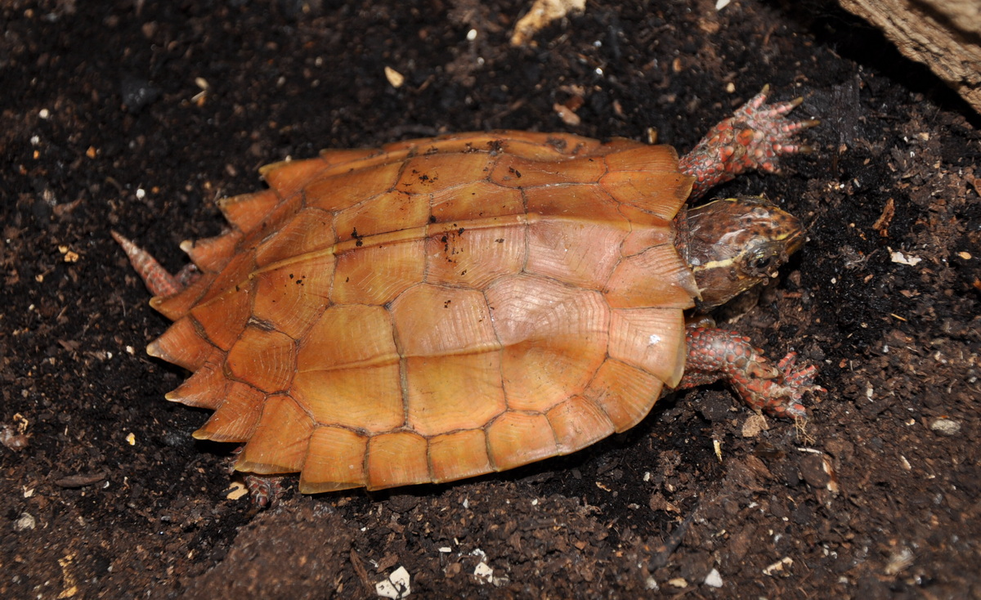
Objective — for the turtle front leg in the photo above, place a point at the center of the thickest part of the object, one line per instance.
(777, 390)
(157, 279)
(754, 137)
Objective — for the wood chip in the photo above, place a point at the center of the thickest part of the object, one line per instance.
(882, 223)
(79, 481)
(542, 13)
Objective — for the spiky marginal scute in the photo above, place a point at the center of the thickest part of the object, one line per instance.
(754, 137)
(777, 390)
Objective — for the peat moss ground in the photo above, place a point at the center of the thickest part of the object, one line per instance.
(138, 116)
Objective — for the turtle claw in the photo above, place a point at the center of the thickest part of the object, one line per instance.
(793, 384)
(774, 389)
(754, 137)
(787, 362)
(802, 378)
(751, 110)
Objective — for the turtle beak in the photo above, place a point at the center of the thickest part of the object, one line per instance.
(795, 238)
(781, 231)
(785, 239)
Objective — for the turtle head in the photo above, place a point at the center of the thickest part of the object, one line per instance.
(736, 243)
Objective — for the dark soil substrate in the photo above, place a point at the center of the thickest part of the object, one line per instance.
(137, 116)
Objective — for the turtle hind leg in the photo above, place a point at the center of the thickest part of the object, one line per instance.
(777, 390)
(754, 137)
(156, 278)
(265, 491)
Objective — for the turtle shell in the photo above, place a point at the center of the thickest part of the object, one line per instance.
(437, 308)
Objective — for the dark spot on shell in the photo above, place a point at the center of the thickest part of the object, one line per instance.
(557, 143)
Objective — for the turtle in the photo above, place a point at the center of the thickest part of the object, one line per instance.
(442, 308)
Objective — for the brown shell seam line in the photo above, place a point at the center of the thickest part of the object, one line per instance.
(622, 257)
(284, 392)
(490, 310)
(372, 240)
(430, 229)
(333, 231)
(403, 376)
(529, 219)
(337, 248)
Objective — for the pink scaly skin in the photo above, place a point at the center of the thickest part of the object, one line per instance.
(715, 354)
(157, 279)
(754, 137)
(264, 491)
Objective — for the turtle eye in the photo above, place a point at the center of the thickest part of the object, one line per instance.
(763, 263)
